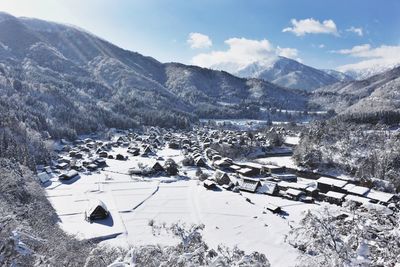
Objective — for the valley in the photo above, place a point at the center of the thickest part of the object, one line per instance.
(224, 149)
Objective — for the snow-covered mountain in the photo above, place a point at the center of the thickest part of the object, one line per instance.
(288, 73)
(343, 77)
(360, 71)
(380, 92)
(61, 68)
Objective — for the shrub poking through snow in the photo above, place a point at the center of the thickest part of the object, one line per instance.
(190, 251)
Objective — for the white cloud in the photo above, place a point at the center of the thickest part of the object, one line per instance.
(242, 52)
(287, 52)
(358, 31)
(308, 26)
(355, 50)
(382, 57)
(199, 40)
(321, 46)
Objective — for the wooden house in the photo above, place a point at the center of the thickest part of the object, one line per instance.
(294, 194)
(96, 210)
(156, 167)
(222, 178)
(380, 197)
(68, 175)
(249, 184)
(269, 188)
(44, 177)
(326, 184)
(147, 151)
(134, 151)
(334, 197)
(249, 172)
(200, 162)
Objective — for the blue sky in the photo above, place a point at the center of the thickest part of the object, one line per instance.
(329, 34)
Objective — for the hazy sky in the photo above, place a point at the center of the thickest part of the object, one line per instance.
(323, 34)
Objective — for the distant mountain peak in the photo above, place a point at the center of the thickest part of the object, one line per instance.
(288, 73)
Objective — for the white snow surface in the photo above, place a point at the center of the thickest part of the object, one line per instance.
(134, 201)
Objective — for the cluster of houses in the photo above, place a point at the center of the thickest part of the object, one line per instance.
(88, 155)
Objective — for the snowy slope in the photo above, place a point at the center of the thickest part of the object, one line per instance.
(377, 93)
(342, 77)
(46, 54)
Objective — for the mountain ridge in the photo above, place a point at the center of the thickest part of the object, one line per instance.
(288, 73)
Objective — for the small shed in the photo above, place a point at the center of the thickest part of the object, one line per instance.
(96, 210)
(273, 208)
(209, 184)
(120, 157)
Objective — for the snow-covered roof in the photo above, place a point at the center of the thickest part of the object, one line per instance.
(294, 192)
(244, 170)
(249, 184)
(331, 181)
(43, 177)
(253, 165)
(93, 204)
(267, 187)
(379, 196)
(269, 166)
(336, 195)
(355, 189)
(293, 185)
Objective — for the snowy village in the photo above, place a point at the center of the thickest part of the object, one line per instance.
(234, 133)
(115, 189)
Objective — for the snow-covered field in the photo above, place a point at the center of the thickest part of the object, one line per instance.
(284, 161)
(134, 201)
